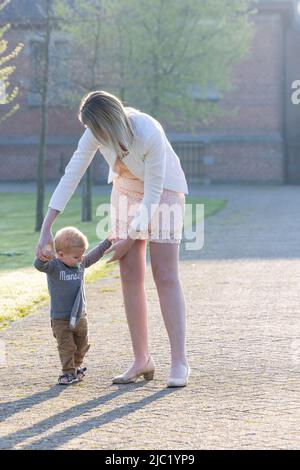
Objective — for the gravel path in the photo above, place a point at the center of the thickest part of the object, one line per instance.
(242, 294)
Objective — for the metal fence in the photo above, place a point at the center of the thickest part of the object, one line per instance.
(191, 158)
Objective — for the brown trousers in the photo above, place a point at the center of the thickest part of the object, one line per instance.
(72, 345)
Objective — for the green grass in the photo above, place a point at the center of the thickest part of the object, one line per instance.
(22, 287)
(17, 236)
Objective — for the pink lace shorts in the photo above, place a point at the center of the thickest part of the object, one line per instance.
(127, 194)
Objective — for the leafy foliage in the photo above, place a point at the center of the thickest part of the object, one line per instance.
(7, 97)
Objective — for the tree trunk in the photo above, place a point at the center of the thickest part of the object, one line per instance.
(87, 181)
(44, 126)
(41, 169)
(86, 206)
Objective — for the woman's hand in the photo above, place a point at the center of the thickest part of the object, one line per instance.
(120, 247)
(45, 249)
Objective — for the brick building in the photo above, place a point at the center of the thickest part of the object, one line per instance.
(258, 141)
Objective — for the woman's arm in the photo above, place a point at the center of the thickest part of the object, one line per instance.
(81, 159)
(44, 250)
(74, 171)
(154, 176)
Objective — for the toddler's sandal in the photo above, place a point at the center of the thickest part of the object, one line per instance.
(81, 372)
(67, 379)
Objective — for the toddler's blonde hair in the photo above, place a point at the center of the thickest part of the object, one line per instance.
(69, 237)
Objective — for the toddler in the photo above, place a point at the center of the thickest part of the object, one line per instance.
(65, 277)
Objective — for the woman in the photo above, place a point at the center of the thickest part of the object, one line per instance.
(145, 171)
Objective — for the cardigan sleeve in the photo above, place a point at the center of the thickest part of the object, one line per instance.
(154, 176)
(74, 171)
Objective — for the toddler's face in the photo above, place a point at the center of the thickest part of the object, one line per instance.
(72, 257)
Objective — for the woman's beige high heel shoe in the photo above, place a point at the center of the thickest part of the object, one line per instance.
(179, 381)
(147, 372)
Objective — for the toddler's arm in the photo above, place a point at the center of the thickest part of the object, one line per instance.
(96, 253)
(44, 266)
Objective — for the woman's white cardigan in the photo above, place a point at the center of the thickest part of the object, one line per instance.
(151, 158)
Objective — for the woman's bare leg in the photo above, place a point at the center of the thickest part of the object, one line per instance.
(165, 268)
(132, 272)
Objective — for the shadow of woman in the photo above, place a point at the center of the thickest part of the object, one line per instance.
(60, 437)
(10, 408)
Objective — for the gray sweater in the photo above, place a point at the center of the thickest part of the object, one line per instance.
(66, 284)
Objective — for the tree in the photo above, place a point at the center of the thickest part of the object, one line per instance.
(46, 84)
(158, 55)
(180, 46)
(42, 89)
(7, 97)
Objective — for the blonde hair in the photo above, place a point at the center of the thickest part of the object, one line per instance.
(108, 119)
(68, 238)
